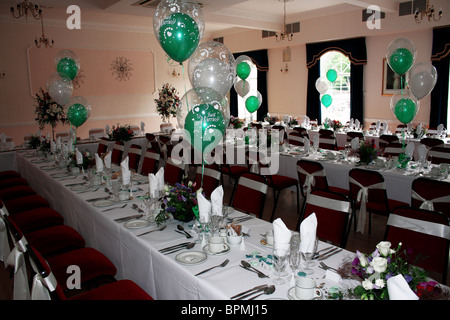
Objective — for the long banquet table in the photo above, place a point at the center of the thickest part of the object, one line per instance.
(138, 258)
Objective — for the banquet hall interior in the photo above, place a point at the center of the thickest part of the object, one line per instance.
(123, 64)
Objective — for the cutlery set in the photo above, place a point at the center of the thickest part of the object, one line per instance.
(177, 247)
(159, 229)
(247, 266)
(326, 253)
(266, 289)
(223, 264)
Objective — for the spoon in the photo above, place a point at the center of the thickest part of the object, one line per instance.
(269, 290)
(189, 246)
(135, 206)
(223, 264)
(247, 265)
(180, 227)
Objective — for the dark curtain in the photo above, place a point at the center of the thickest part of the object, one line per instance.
(355, 50)
(261, 60)
(440, 59)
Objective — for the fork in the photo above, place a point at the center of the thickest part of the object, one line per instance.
(325, 267)
(121, 207)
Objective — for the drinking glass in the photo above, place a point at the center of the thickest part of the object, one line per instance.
(307, 256)
(294, 259)
(215, 223)
(279, 264)
(116, 184)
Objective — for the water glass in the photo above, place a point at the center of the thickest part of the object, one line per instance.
(116, 185)
(279, 264)
(307, 257)
(294, 259)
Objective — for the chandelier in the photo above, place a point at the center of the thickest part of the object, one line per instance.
(25, 7)
(428, 12)
(284, 34)
(43, 40)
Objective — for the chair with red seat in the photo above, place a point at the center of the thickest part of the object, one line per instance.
(150, 163)
(296, 139)
(424, 236)
(152, 141)
(328, 141)
(7, 183)
(16, 192)
(438, 155)
(233, 168)
(173, 172)
(249, 194)
(207, 178)
(431, 194)
(432, 142)
(134, 157)
(117, 153)
(26, 203)
(385, 139)
(302, 130)
(368, 195)
(102, 146)
(50, 289)
(333, 212)
(355, 134)
(8, 174)
(393, 149)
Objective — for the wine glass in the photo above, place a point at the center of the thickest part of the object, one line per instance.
(116, 185)
(307, 256)
(279, 264)
(294, 259)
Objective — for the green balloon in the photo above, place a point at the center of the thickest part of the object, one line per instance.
(77, 114)
(401, 60)
(206, 127)
(179, 36)
(326, 100)
(331, 75)
(405, 110)
(243, 70)
(68, 67)
(252, 104)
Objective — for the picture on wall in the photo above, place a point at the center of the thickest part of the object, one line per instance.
(392, 81)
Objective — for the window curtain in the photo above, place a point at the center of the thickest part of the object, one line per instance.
(355, 50)
(440, 58)
(261, 60)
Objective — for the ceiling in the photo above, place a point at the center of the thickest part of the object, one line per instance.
(220, 15)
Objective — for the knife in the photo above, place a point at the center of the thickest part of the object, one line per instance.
(253, 289)
(137, 216)
(174, 247)
(95, 199)
(329, 254)
(262, 288)
(74, 184)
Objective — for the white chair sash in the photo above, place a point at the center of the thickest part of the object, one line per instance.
(362, 197)
(310, 181)
(41, 287)
(324, 202)
(252, 184)
(118, 147)
(16, 260)
(296, 138)
(327, 140)
(427, 204)
(209, 172)
(437, 154)
(4, 243)
(426, 227)
(393, 150)
(135, 150)
(152, 155)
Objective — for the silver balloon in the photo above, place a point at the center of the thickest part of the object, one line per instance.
(322, 85)
(60, 88)
(202, 95)
(212, 66)
(422, 79)
(242, 87)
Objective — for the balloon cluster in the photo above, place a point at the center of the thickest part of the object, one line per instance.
(252, 97)
(60, 88)
(322, 86)
(401, 56)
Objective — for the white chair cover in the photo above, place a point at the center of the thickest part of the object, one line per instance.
(427, 204)
(16, 259)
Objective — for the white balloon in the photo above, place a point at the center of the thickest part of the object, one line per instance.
(60, 88)
(322, 85)
(242, 87)
(422, 79)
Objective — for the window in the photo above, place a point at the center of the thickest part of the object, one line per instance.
(253, 81)
(339, 90)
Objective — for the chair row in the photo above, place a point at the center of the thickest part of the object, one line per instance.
(33, 234)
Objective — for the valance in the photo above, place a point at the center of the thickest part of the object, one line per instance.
(441, 43)
(259, 58)
(354, 49)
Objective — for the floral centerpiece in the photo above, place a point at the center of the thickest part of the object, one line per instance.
(88, 160)
(48, 111)
(168, 102)
(178, 201)
(375, 269)
(34, 142)
(236, 123)
(120, 133)
(271, 119)
(367, 151)
(293, 122)
(336, 124)
(45, 146)
(419, 131)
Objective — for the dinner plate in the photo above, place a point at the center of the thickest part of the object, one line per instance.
(103, 203)
(136, 224)
(80, 187)
(47, 168)
(191, 257)
(38, 161)
(318, 294)
(207, 251)
(60, 175)
(29, 155)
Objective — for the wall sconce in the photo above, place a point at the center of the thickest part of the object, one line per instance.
(285, 69)
(175, 74)
(2, 75)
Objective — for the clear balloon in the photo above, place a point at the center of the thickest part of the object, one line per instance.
(67, 63)
(401, 55)
(199, 96)
(60, 88)
(212, 66)
(404, 106)
(242, 87)
(422, 79)
(178, 26)
(78, 111)
(322, 85)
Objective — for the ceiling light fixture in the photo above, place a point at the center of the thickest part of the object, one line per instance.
(284, 35)
(427, 12)
(25, 7)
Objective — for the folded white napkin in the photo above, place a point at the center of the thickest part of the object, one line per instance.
(355, 143)
(106, 129)
(107, 160)
(378, 125)
(385, 127)
(281, 235)
(419, 128)
(351, 123)
(79, 156)
(65, 150)
(307, 144)
(357, 124)
(408, 127)
(217, 201)
(70, 145)
(58, 143)
(204, 207)
(316, 141)
(160, 177)
(440, 128)
(306, 121)
(422, 152)
(3, 138)
(156, 182)
(126, 174)
(98, 163)
(399, 289)
(409, 150)
(53, 146)
(142, 127)
(308, 230)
